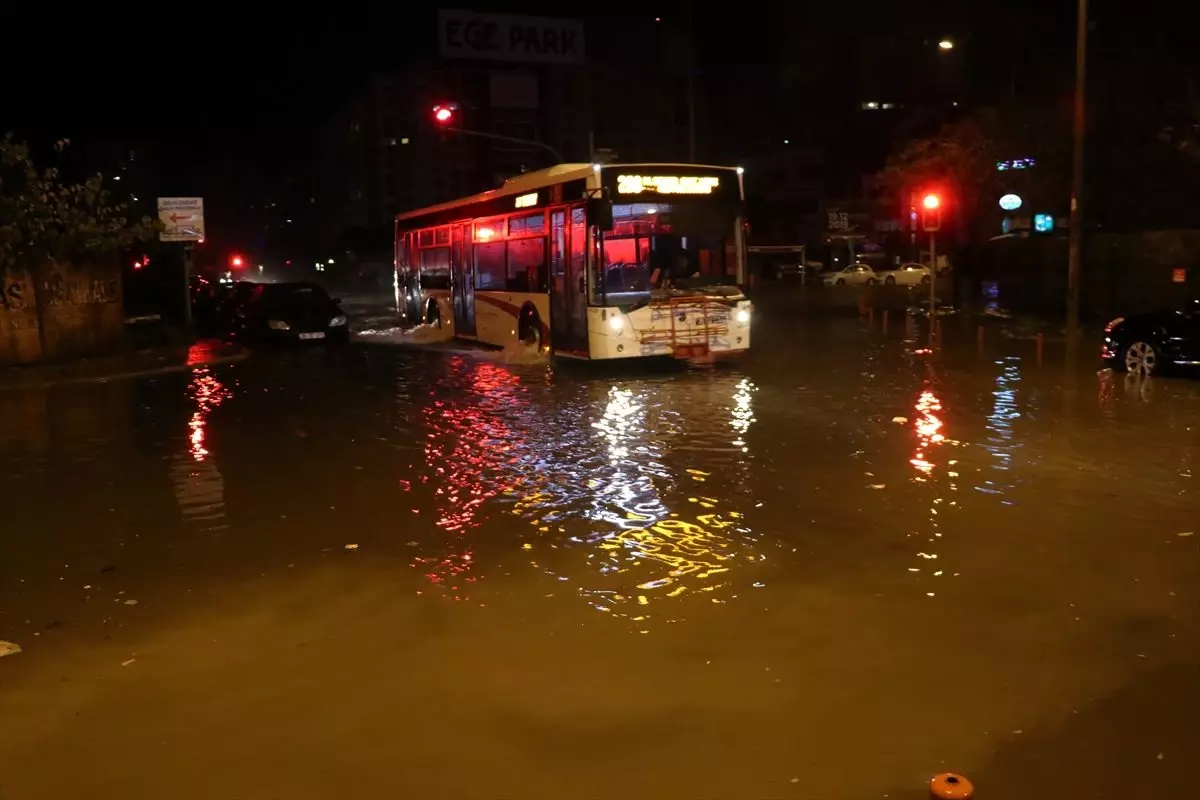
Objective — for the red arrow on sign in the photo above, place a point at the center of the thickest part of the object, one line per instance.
(177, 217)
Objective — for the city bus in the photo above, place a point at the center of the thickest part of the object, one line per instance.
(586, 261)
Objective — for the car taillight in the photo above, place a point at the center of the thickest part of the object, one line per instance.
(1108, 328)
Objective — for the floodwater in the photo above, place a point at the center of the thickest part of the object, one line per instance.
(830, 571)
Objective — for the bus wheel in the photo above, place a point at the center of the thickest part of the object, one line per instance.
(529, 331)
(433, 315)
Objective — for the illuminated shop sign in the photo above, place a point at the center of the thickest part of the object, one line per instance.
(527, 200)
(665, 184)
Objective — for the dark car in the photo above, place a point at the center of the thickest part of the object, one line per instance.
(1155, 342)
(290, 312)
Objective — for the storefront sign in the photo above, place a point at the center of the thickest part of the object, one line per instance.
(665, 184)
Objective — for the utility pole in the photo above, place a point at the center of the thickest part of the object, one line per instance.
(1075, 239)
(691, 82)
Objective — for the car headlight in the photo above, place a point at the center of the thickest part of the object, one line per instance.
(615, 322)
(278, 325)
(743, 315)
(337, 321)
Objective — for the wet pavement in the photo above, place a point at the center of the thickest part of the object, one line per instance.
(827, 572)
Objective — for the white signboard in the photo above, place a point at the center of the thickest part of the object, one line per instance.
(182, 219)
(504, 37)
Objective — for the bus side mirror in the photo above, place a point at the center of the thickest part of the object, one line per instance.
(600, 212)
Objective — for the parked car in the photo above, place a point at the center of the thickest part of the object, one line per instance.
(853, 275)
(1147, 344)
(290, 312)
(906, 275)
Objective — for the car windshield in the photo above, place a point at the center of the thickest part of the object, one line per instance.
(294, 295)
(657, 246)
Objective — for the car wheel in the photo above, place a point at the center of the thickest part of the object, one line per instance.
(1140, 358)
(840, 282)
(871, 281)
(890, 280)
(924, 280)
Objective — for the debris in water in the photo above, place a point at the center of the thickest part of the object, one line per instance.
(1186, 533)
(877, 486)
(900, 420)
(131, 602)
(127, 663)
(351, 547)
(8, 648)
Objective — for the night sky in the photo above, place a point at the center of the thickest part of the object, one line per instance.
(230, 89)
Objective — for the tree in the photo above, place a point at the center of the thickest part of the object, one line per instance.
(962, 158)
(44, 218)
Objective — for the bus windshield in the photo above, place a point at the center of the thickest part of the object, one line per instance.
(660, 247)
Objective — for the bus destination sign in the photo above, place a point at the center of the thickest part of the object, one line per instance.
(666, 184)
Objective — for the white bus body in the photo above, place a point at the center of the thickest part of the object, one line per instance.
(589, 261)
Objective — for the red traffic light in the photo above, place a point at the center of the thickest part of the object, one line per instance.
(931, 201)
(236, 261)
(443, 114)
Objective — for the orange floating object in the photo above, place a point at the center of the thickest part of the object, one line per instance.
(949, 786)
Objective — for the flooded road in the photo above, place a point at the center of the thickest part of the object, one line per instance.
(830, 571)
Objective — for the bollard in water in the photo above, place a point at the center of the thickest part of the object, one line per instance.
(885, 325)
(979, 340)
(871, 316)
(949, 786)
(1041, 345)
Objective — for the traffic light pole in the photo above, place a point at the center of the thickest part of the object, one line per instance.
(187, 287)
(514, 140)
(932, 284)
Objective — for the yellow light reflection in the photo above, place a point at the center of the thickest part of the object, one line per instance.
(669, 555)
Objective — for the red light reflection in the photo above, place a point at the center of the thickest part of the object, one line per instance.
(466, 447)
(929, 430)
(208, 393)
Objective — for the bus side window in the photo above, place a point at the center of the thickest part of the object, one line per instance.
(527, 264)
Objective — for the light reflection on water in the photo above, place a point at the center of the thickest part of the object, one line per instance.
(199, 485)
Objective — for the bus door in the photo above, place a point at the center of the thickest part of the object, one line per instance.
(462, 280)
(576, 340)
(560, 323)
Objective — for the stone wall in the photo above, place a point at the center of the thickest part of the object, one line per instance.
(59, 312)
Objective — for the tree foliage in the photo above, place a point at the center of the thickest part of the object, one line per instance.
(43, 217)
(961, 159)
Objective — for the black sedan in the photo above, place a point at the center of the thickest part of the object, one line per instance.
(291, 312)
(1147, 344)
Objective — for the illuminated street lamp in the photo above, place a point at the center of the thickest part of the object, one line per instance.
(945, 44)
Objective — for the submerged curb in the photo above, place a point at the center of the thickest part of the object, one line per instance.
(36, 379)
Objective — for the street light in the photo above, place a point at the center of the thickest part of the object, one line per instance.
(945, 44)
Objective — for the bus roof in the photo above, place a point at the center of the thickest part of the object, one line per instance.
(540, 179)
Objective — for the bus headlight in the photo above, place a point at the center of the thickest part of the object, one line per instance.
(743, 315)
(615, 322)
